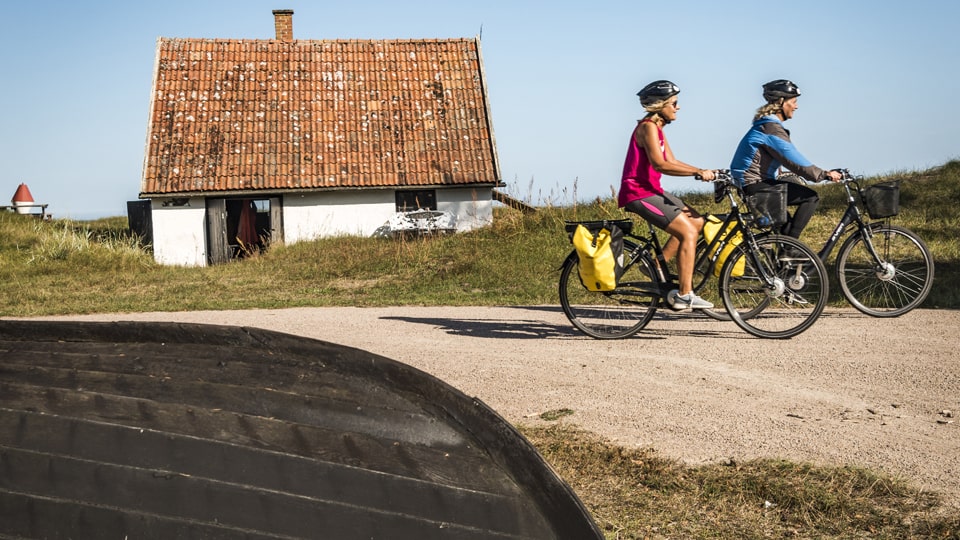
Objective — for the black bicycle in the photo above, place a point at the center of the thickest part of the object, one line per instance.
(772, 286)
(883, 270)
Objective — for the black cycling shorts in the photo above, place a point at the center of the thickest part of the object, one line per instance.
(659, 210)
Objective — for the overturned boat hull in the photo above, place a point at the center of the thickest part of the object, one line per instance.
(165, 430)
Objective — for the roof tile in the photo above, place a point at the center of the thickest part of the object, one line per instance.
(265, 115)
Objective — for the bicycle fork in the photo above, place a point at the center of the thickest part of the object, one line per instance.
(885, 271)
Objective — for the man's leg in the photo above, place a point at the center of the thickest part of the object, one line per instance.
(806, 201)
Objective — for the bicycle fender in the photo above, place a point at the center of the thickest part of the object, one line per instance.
(572, 255)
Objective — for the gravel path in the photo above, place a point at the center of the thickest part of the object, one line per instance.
(853, 390)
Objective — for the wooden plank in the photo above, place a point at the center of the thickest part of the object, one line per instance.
(516, 204)
(218, 245)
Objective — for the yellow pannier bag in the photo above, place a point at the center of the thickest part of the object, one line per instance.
(710, 229)
(598, 264)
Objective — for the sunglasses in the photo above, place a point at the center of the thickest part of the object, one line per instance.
(674, 104)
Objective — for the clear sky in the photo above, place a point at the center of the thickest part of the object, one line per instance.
(878, 78)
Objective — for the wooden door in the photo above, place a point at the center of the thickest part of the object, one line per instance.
(218, 246)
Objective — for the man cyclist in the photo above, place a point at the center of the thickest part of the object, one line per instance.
(767, 146)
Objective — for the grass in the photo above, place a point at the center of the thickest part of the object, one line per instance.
(68, 267)
(635, 494)
(64, 267)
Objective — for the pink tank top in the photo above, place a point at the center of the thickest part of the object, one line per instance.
(640, 180)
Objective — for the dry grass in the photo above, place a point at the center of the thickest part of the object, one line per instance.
(635, 494)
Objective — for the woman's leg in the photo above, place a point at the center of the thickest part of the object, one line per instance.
(684, 230)
(683, 223)
(670, 248)
(673, 244)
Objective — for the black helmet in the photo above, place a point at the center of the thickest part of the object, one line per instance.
(780, 88)
(657, 91)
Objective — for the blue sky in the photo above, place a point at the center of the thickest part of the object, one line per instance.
(878, 82)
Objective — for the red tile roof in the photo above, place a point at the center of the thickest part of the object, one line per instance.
(267, 115)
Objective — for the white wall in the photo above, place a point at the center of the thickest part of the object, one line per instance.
(473, 207)
(179, 233)
(308, 216)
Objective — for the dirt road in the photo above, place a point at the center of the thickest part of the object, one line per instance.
(877, 393)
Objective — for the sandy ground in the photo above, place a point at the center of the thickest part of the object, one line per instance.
(852, 390)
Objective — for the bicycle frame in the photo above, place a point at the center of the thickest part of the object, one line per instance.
(652, 246)
(852, 216)
(719, 242)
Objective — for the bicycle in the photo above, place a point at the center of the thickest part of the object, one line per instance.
(772, 286)
(883, 270)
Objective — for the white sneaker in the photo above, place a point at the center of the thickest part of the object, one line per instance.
(672, 299)
(690, 301)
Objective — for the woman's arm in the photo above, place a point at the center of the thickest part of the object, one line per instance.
(666, 163)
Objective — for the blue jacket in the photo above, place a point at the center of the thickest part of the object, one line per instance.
(764, 149)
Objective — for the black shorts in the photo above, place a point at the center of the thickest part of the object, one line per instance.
(659, 210)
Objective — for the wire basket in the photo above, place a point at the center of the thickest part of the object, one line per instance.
(882, 200)
(770, 201)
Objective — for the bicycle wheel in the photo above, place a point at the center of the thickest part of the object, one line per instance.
(611, 314)
(778, 292)
(702, 274)
(898, 284)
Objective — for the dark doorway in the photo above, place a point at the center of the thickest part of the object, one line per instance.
(241, 227)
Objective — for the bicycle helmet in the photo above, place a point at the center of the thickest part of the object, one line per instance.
(780, 88)
(657, 91)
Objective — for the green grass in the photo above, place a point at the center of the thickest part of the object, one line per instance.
(65, 267)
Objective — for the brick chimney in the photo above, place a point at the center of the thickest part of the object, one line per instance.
(283, 20)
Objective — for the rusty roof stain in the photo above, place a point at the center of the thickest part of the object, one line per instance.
(268, 115)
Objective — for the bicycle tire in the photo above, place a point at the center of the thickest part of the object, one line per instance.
(612, 314)
(900, 284)
(701, 276)
(784, 306)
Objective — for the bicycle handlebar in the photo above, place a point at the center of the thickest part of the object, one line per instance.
(724, 176)
(846, 176)
(720, 174)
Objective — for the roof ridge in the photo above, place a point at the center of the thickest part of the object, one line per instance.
(326, 40)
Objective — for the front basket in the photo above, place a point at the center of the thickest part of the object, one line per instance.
(882, 200)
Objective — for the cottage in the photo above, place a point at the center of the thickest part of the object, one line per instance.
(252, 142)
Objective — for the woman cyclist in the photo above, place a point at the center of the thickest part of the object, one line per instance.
(648, 158)
(766, 147)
